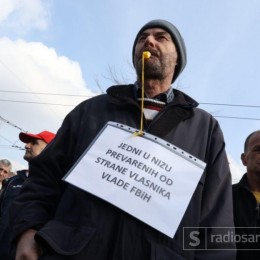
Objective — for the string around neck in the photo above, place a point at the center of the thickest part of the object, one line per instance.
(145, 55)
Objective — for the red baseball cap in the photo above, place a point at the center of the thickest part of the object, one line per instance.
(46, 136)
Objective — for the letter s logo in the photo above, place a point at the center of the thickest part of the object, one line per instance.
(194, 238)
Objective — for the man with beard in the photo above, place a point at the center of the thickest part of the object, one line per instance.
(56, 220)
(35, 143)
(246, 198)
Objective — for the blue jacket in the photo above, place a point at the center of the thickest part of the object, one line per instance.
(11, 189)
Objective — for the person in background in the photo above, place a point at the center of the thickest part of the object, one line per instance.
(34, 145)
(5, 170)
(53, 219)
(246, 199)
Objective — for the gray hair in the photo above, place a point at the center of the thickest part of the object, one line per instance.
(6, 163)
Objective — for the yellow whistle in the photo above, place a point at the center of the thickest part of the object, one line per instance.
(146, 54)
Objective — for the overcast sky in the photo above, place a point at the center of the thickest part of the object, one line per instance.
(56, 53)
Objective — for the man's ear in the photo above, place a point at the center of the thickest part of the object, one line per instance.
(243, 158)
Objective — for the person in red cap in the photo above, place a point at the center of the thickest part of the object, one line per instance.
(34, 145)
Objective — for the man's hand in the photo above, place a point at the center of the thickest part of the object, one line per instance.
(27, 248)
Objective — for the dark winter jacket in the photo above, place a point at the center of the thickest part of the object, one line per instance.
(74, 224)
(247, 221)
(10, 191)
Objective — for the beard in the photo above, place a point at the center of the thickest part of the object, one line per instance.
(154, 68)
(27, 156)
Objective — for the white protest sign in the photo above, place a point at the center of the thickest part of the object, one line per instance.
(144, 176)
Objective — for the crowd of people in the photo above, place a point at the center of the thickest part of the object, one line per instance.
(12, 183)
(43, 217)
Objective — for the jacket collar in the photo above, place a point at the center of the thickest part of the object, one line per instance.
(244, 183)
(125, 94)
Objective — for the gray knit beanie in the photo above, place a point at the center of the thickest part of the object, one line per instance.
(176, 37)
